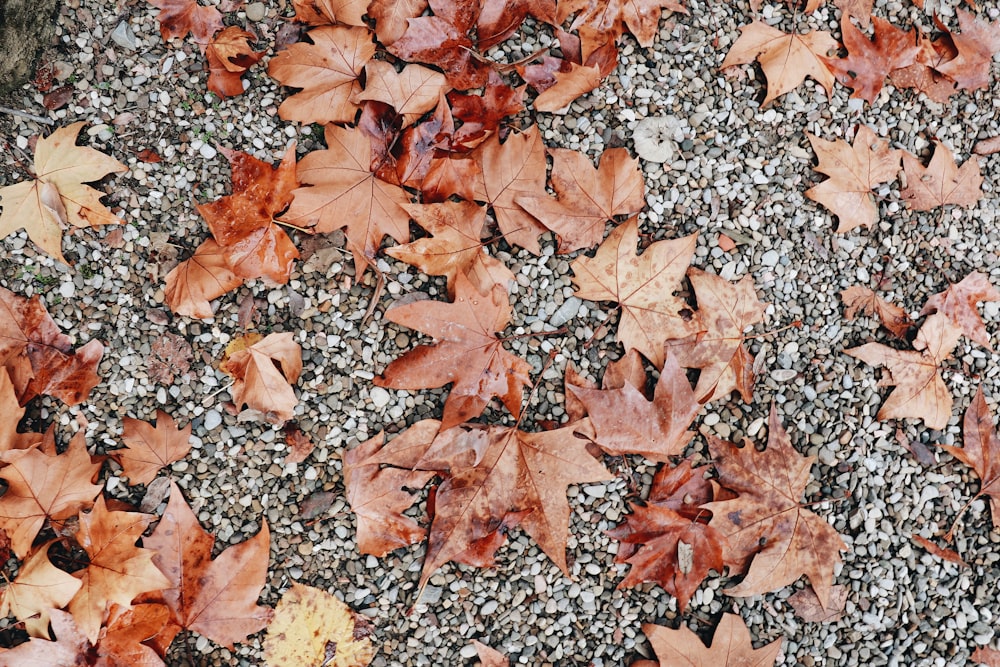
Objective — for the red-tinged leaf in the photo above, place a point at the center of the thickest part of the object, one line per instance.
(299, 445)
(978, 42)
(330, 12)
(229, 56)
(859, 299)
(869, 62)
(986, 656)
(481, 115)
(499, 19)
(980, 450)
(179, 17)
(941, 182)
(958, 304)
(193, 283)
(490, 657)
(149, 156)
(435, 41)
(948, 555)
(412, 92)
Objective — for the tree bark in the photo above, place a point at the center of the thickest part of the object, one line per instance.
(25, 27)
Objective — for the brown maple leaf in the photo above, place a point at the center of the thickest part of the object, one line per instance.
(117, 571)
(11, 413)
(787, 59)
(941, 182)
(978, 42)
(608, 19)
(859, 9)
(299, 445)
(467, 354)
(263, 372)
(330, 12)
(731, 646)
(626, 423)
(229, 56)
(854, 171)
(170, 355)
(436, 41)
(195, 282)
(860, 299)
(392, 17)
(643, 286)
(808, 607)
(217, 597)
(342, 192)
(490, 657)
(39, 589)
(378, 496)
(924, 74)
(327, 71)
(149, 448)
(980, 450)
(243, 223)
(510, 170)
(920, 392)
(482, 114)
(725, 311)
(869, 62)
(986, 656)
(455, 247)
(411, 92)
(179, 17)
(587, 198)
(40, 487)
(57, 197)
(958, 304)
(772, 536)
(499, 19)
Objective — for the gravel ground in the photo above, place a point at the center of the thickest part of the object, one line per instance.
(741, 170)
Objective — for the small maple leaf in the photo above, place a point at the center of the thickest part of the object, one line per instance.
(490, 657)
(298, 443)
(980, 450)
(481, 114)
(725, 311)
(587, 198)
(808, 607)
(920, 392)
(149, 448)
(978, 42)
(313, 627)
(860, 299)
(392, 17)
(215, 598)
(412, 92)
(924, 74)
(941, 182)
(57, 196)
(455, 247)
(263, 371)
(327, 71)
(39, 589)
(787, 59)
(41, 487)
(643, 286)
(869, 62)
(330, 12)
(436, 41)
(958, 304)
(179, 17)
(731, 646)
(772, 537)
(467, 354)
(342, 192)
(854, 171)
(206, 275)
(169, 355)
(229, 56)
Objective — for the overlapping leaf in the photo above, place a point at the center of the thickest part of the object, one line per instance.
(958, 304)
(263, 371)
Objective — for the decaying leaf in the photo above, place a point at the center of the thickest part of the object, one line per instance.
(330, 12)
(490, 657)
(411, 92)
(808, 607)
(263, 371)
(206, 275)
(169, 356)
(57, 197)
(869, 62)
(948, 555)
(978, 42)
(860, 299)
(179, 17)
(731, 646)
(958, 304)
(985, 655)
(229, 56)
(300, 446)
(941, 182)
(980, 450)
(313, 627)
(149, 448)
(39, 589)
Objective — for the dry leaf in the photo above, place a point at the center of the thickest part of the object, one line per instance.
(204, 276)
(490, 657)
(263, 371)
(170, 355)
(859, 299)
(941, 182)
(869, 62)
(980, 450)
(948, 555)
(958, 304)
(229, 56)
(149, 448)
(731, 646)
(808, 607)
(411, 93)
(39, 589)
(978, 42)
(179, 17)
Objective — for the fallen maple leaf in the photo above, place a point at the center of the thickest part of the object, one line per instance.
(411, 93)
(149, 448)
(499, 20)
(179, 17)
(169, 356)
(924, 74)
(229, 56)
(342, 192)
(772, 536)
(263, 371)
(215, 598)
(298, 443)
(330, 12)
(206, 275)
(39, 589)
(455, 247)
(978, 42)
(859, 299)
(57, 196)
(392, 17)
(489, 657)
(481, 115)
(467, 354)
(958, 304)
(948, 555)
(642, 285)
(808, 607)
(787, 59)
(986, 656)
(41, 487)
(920, 392)
(12, 413)
(327, 71)
(731, 646)
(313, 627)
(980, 450)
(117, 571)
(941, 182)
(869, 62)
(854, 171)
(436, 41)
(587, 198)
(725, 312)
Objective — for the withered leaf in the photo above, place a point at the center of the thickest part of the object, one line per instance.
(169, 356)
(978, 42)
(860, 299)
(229, 56)
(980, 450)
(206, 275)
(941, 182)
(179, 17)
(958, 304)
(869, 62)
(263, 371)
(731, 646)
(149, 448)
(808, 607)
(412, 92)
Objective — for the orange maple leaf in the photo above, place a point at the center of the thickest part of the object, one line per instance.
(941, 182)
(204, 276)
(264, 370)
(229, 57)
(149, 448)
(731, 646)
(179, 17)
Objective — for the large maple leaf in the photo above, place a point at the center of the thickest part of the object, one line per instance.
(41, 487)
(179, 17)
(243, 223)
(263, 372)
(587, 198)
(942, 181)
(206, 275)
(39, 589)
(642, 285)
(392, 17)
(980, 450)
(149, 448)
(57, 196)
(772, 536)
(787, 59)
(854, 171)
(869, 62)
(330, 12)
(495, 478)
(39, 358)
(411, 92)
(342, 192)
(327, 71)
(731, 646)
(725, 311)
(978, 42)
(958, 304)
(117, 571)
(920, 391)
(468, 354)
(217, 597)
